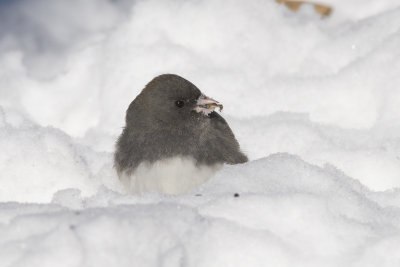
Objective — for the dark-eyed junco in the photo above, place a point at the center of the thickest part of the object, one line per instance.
(173, 139)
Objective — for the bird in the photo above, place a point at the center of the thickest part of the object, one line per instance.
(173, 140)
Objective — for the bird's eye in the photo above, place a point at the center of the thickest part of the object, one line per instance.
(179, 103)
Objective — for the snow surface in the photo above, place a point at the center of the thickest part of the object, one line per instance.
(313, 102)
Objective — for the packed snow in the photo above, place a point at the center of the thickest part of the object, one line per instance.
(313, 102)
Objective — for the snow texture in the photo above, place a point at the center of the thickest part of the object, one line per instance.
(313, 102)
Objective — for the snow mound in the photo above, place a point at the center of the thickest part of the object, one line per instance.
(276, 211)
(38, 161)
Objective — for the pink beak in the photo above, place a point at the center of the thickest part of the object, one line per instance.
(206, 105)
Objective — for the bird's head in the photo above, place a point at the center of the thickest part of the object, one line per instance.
(170, 99)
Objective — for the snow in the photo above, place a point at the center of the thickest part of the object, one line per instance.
(313, 102)
(297, 213)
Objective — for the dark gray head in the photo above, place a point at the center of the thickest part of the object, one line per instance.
(169, 100)
(171, 117)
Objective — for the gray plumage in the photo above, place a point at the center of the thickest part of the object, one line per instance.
(157, 128)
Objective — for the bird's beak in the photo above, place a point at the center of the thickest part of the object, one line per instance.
(206, 105)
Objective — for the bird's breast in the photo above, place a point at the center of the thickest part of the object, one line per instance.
(175, 175)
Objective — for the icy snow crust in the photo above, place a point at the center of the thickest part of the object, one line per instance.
(314, 103)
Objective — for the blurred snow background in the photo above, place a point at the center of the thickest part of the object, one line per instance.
(314, 103)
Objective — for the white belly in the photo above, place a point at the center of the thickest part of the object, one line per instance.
(172, 176)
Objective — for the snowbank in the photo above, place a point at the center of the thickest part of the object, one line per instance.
(38, 161)
(287, 212)
(324, 91)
